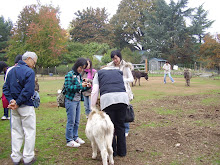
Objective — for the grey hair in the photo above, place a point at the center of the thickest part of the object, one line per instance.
(29, 54)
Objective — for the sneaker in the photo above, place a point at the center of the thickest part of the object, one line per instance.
(72, 144)
(126, 134)
(80, 141)
(16, 163)
(31, 162)
(4, 117)
(8, 118)
(173, 81)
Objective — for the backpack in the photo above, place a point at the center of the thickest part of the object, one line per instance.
(36, 99)
(61, 98)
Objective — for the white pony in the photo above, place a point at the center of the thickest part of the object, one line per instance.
(100, 130)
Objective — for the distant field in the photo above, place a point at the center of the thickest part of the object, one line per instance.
(174, 125)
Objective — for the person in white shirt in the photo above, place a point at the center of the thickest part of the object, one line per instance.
(167, 69)
(126, 68)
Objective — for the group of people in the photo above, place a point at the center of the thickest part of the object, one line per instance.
(82, 83)
(85, 83)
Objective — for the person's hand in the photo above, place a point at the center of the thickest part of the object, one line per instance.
(84, 84)
(89, 84)
(13, 105)
(85, 79)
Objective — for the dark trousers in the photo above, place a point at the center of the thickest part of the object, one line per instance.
(6, 112)
(117, 114)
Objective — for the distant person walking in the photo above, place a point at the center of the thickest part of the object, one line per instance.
(19, 89)
(167, 69)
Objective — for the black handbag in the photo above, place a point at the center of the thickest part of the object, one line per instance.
(129, 116)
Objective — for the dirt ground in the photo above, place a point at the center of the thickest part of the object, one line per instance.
(174, 130)
(169, 131)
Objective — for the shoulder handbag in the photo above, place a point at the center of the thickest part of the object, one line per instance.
(129, 117)
(61, 98)
(4, 101)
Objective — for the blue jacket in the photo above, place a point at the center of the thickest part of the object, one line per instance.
(24, 91)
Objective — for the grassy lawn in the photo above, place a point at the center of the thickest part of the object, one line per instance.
(157, 106)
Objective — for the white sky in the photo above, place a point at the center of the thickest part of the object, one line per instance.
(12, 8)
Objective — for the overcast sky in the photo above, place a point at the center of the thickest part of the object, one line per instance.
(12, 8)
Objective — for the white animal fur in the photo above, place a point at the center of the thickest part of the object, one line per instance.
(100, 130)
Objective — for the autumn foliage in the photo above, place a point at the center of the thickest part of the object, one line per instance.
(38, 30)
(210, 51)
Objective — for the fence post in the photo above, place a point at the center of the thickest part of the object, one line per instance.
(146, 71)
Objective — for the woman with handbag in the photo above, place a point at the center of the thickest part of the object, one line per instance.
(114, 101)
(125, 67)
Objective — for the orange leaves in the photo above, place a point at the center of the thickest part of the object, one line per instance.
(210, 51)
(38, 30)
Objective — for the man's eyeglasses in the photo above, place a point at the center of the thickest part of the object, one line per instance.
(33, 61)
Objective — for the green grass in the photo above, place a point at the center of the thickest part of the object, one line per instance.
(211, 101)
(51, 121)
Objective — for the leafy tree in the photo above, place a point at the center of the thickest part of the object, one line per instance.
(77, 49)
(128, 23)
(210, 52)
(166, 30)
(200, 23)
(129, 56)
(5, 28)
(38, 30)
(185, 54)
(107, 57)
(91, 25)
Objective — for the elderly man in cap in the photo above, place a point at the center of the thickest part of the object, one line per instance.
(19, 89)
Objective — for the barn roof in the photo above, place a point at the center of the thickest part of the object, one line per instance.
(158, 59)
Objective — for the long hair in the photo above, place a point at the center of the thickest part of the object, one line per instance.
(79, 62)
(90, 65)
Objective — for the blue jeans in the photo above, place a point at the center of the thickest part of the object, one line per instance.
(127, 127)
(6, 112)
(165, 75)
(73, 118)
(87, 103)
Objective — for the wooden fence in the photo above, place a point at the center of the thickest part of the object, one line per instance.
(141, 67)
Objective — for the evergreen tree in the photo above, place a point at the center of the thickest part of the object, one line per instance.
(5, 29)
(200, 23)
(166, 30)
